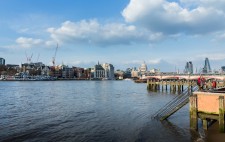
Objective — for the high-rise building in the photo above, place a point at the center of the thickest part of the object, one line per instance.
(2, 61)
(189, 68)
(206, 68)
(134, 73)
(104, 71)
(109, 71)
(223, 69)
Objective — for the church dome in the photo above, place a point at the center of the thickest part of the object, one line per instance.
(143, 67)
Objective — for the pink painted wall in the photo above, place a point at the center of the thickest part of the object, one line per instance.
(208, 102)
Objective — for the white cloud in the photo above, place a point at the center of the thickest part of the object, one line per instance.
(92, 32)
(150, 61)
(78, 63)
(172, 17)
(153, 61)
(218, 4)
(213, 56)
(28, 42)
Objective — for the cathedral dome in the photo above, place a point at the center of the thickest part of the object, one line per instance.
(143, 67)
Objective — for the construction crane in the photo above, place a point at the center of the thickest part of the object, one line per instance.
(38, 57)
(53, 58)
(29, 58)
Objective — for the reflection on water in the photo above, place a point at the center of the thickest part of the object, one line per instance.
(87, 111)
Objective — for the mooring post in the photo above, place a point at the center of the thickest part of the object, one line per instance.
(159, 86)
(175, 86)
(179, 86)
(193, 112)
(166, 85)
(205, 124)
(221, 113)
(182, 86)
(148, 87)
(153, 85)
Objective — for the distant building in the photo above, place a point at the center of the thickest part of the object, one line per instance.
(223, 69)
(119, 74)
(87, 73)
(134, 73)
(104, 71)
(33, 68)
(67, 72)
(127, 73)
(189, 68)
(81, 73)
(28, 66)
(98, 72)
(78, 72)
(109, 71)
(12, 66)
(45, 70)
(143, 68)
(154, 71)
(206, 68)
(2, 61)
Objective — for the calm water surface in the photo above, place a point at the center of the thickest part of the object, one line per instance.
(107, 111)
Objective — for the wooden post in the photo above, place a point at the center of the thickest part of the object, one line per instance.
(175, 87)
(153, 86)
(221, 113)
(193, 112)
(205, 124)
(179, 88)
(148, 87)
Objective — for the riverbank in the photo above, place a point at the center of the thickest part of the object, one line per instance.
(60, 79)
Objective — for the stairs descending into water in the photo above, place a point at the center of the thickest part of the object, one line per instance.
(175, 104)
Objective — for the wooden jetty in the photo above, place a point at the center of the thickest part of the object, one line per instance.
(206, 103)
(172, 85)
(178, 85)
(209, 107)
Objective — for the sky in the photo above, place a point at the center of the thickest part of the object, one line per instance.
(165, 34)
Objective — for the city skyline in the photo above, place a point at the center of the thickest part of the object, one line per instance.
(164, 34)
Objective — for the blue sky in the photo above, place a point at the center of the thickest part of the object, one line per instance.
(164, 34)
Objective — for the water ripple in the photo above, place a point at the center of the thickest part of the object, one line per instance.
(84, 111)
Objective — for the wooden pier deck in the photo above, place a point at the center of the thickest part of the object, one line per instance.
(207, 103)
(178, 85)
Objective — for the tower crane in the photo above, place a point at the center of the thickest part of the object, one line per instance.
(53, 58)
(29, 58)
(38, 57)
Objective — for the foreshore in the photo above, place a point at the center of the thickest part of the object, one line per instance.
(59, 79)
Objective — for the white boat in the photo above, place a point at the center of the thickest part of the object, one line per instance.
(128, 79)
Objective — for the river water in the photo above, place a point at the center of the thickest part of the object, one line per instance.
(89, 111)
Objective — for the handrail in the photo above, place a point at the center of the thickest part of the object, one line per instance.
(170, 102)
(175, 104)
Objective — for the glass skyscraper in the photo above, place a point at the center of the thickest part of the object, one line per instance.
(206, 68)
(189, 68)
(2, 61)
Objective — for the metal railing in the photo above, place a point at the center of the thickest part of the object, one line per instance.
(174, 105)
